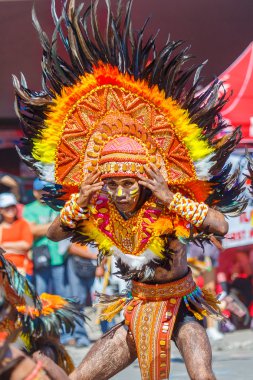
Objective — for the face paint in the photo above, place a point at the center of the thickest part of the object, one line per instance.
(119, 192)
(124, 193)
(133, 193)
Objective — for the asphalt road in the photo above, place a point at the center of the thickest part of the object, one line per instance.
(232, 358)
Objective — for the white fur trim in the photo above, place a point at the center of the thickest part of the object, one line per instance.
(135, 262)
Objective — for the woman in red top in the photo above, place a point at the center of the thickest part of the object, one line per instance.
(15, 234)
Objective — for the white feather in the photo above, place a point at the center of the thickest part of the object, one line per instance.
(203, 167)
(47, 171)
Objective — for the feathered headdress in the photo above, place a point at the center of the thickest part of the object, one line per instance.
(115, 84)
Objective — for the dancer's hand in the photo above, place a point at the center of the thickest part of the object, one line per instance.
(156, 183)
(89, 186)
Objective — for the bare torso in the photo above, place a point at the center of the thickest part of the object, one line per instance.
(179, 266)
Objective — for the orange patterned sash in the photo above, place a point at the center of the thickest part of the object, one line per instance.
(151, 316)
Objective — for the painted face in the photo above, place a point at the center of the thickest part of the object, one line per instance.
(124, 191)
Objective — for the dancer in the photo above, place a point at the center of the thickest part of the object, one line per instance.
(36, 321)
(134, 153)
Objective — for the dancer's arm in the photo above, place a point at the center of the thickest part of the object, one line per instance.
(214, 220)
(56, 231)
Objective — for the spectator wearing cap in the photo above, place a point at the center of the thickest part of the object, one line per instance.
(50, 271)
(11, 184)
(15, 234)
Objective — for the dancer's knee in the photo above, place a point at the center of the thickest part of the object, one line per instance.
(203, 375)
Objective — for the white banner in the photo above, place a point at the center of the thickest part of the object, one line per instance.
(240, 230)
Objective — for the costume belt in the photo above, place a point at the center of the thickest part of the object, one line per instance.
(150, 314)
(160, 292)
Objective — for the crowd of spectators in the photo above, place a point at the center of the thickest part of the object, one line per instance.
(71, 270)
(228, 273)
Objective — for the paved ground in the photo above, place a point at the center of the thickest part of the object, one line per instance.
(232, 358)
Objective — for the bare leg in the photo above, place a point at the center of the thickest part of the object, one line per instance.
(193, 343)
(108, 356)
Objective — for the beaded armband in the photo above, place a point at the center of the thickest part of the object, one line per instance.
(73, 213)
(191, 211)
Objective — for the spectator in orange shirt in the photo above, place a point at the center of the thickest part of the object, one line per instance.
(15, 235)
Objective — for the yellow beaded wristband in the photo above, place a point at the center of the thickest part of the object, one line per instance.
(73, 213)
(194, 212)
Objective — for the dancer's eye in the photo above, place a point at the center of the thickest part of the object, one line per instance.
(112, 185)
(129, 183)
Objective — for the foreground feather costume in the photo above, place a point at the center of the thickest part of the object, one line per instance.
(37, 320)
(116, 102)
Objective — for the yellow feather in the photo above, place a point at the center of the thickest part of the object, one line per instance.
(182, 232)
(162, 226)
(89, 229)
(112, 309)
(157, 247)
(26, 339)
(109, 315)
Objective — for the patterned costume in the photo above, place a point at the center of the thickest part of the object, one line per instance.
(119, 104)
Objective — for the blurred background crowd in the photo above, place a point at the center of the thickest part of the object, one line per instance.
(71, 270)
